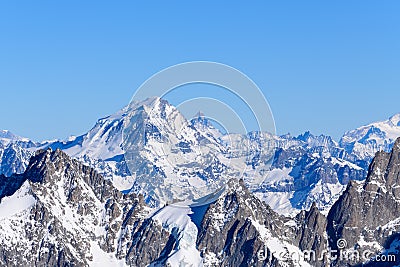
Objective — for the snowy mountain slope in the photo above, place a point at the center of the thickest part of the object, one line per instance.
(66, 214)
(307, 169)
(240, 230)
(176, 220)
(15, 152)
(365, 141)
(60, 211)
(14, 158)
(171, 152)
(102, 142)
(162, 147)
(6, 137)
(183, 161)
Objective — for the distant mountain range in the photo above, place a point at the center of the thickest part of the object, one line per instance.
(305, 169)
(61, 202)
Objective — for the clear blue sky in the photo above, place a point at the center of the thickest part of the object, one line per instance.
(324, 66)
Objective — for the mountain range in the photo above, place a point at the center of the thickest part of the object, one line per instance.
(94, 200)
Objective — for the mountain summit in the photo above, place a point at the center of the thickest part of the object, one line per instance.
(395, 120)
(365, 141)
(149, 145)
(56, 210)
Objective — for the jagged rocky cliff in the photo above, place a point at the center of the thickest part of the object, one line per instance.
(367, 214)
(60, 212)
(306, 168)
(55, 210)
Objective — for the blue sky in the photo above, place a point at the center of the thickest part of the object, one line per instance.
(324, 66)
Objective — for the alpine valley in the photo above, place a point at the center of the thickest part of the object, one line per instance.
(85, 202)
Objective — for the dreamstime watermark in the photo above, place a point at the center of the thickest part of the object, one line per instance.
(342, 254)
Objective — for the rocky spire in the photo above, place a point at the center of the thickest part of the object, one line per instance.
(367, 211)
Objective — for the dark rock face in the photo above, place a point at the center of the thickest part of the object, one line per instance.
(313, 158)
(310, 235)
(149, 244)
(232, 229)
(14, 158)
(66, 214)
(238, 227)
(8, 186)
(73, 210)
(368, 212)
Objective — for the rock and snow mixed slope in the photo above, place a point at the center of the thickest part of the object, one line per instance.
(168, 150)
(15, 152)
(365, 141)
(306, 169)
(367, 214)
(238, 228)
(61, 212)
(64, 214)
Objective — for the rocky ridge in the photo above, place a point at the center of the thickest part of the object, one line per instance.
(306, 168)
(60, 212)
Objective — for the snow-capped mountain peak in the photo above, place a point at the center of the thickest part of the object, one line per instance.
(7, 137)
(184, 160)
(365, 141)
(395, 119)
(7, 134)
(151, 140)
